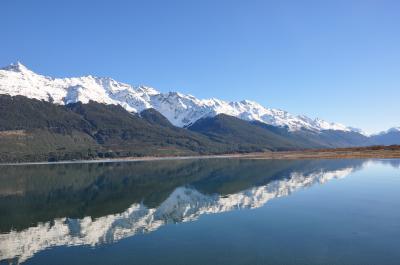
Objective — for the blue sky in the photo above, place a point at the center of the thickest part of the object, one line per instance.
(338, 60)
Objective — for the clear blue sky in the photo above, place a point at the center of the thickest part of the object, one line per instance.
(338, 60)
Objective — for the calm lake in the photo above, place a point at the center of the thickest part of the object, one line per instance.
(204, 211)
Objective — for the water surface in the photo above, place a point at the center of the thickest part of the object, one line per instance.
(211, 211)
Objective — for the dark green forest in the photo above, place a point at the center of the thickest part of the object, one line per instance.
(34, 130)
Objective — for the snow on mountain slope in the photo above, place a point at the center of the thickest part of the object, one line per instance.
(181, 110)
(183, 205)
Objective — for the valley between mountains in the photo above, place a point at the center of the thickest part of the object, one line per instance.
(50, 119)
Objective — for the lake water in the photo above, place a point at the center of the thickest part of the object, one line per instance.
(208, 211)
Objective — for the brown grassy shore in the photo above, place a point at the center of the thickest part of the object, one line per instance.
(336, 153)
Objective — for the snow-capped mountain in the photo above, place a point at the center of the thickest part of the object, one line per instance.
(184, 204)
(180, 109)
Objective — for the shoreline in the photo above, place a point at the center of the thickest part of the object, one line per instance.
(132, 159)
(390, 152)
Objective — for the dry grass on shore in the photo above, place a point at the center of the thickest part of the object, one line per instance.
(337, 153)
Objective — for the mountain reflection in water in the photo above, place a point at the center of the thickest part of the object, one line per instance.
(94, 204)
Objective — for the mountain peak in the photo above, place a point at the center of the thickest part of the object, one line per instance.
(148, 90)
(390, 130)
(16, 67)
(393, 130)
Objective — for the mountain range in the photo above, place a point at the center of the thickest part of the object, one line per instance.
(85, 117)
(181, 110)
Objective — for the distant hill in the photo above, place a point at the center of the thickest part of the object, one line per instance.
(227, 129)
(389, 137)
(324, 138)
